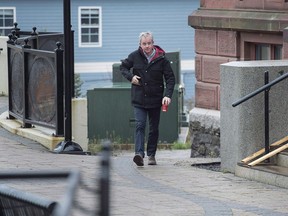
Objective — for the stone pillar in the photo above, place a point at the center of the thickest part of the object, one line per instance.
(213, 47)
(285, 43)
(3, 66)
(242, 127)
(79, 122)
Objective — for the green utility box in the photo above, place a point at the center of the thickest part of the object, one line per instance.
(110, 115)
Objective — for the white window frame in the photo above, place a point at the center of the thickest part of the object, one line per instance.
(14, 16)
(80, 43)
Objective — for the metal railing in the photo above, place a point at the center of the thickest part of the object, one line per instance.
(28, 201)
(36, 78)
(30, 106)
(266, 87)
(20, 200)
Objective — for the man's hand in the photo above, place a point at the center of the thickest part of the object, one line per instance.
(135, 80)
(166, 100)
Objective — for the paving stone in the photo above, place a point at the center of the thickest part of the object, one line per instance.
(173, 187)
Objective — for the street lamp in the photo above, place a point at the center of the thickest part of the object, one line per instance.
(68, 146)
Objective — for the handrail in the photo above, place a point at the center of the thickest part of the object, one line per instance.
(266, 87)
(263, 88)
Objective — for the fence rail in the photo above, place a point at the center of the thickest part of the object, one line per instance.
(14, 202)
(35, 77)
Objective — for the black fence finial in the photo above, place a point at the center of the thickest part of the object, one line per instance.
(10, 41)
(16, 29)
(58, 44)
(14, 36)
(26, 45)
(34, 31)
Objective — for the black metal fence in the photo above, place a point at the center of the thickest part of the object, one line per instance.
(35, 78)
(14, 202)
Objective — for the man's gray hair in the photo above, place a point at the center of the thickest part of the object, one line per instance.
(145, 34)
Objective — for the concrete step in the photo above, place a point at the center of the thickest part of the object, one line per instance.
(282, 159)
(273, 171)
(266, 173)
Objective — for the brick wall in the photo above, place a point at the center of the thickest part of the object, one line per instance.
(213, 47)
(223, 33)
(245, 4)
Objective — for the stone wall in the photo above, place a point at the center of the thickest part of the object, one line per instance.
(242, 127)
(204, 133)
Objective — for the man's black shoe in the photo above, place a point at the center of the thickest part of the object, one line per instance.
(138, 159)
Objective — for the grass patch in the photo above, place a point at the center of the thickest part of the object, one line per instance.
(178, 146)
(95, 146)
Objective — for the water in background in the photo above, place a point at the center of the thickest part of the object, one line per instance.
(94, 80)
(98, 80)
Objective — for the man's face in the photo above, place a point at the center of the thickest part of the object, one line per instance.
(147, 44)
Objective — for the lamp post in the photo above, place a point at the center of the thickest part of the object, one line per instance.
(68, 146)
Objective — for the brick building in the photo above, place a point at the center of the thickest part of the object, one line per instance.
(232, 30)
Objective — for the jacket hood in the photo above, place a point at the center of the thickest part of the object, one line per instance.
(158, 49)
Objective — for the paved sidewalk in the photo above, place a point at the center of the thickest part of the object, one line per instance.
(173, 187)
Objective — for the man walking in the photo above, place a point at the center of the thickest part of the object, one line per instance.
(150, 69)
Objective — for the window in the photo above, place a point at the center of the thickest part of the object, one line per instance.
(260, 46)
(262, 52)
(277, 52)
(90, 27)
(7, 18)
(268, 52)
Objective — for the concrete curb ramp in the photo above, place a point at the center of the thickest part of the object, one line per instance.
(39, 134)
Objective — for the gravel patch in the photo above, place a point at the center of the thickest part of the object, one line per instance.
(214, 166)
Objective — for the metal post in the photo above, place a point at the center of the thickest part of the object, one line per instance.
(68, 146)
(10, 42)
(72, 63)
(67, 74)
(25, 86)
(59, 91)
(105, 179)
(266, 113)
